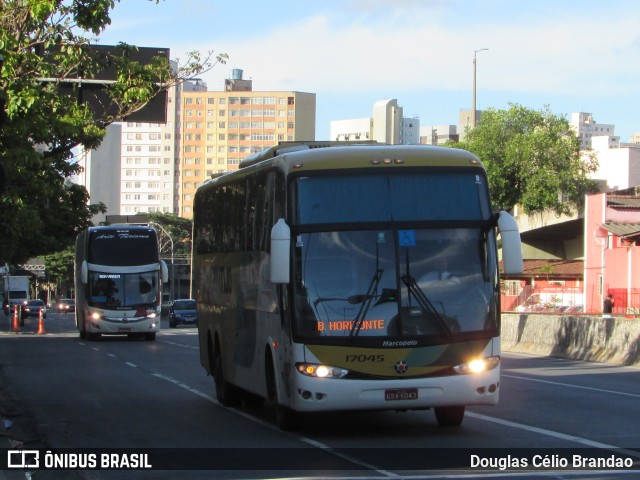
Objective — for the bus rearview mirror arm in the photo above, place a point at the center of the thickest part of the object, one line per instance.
(511, 244)
(280, 252)
(84, 272)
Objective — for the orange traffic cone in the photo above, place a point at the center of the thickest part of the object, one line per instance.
(16, 320)
(41, 324)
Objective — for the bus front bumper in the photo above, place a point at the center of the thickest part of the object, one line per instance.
(118, 326)
(325, 394)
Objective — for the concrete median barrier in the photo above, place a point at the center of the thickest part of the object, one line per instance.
(580, 337)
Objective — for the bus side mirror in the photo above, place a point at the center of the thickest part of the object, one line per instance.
(280, 252)
(84, 272)
(164, 271)
(511, 244)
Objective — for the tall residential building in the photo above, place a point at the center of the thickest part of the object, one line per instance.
(218, 129)
(101, 172)
(387, 125)
(586, 128)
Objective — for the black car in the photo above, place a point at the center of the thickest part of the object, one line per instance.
(32, 308)
(183, 311)
(66, 305)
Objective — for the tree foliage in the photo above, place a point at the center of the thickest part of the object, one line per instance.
(532, 158)
(43, 43)
(172, 228)
(59, 268)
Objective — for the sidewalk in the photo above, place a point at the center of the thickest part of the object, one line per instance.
(17, 428)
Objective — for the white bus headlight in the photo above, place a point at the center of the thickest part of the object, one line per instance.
(96, 316)
(477, 365)
(321, 371)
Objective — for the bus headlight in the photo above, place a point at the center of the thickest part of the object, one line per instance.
(151, 315)
(96, 316)
(477, 365)
(321, 371)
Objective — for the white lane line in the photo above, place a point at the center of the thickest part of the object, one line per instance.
(550, 433)
(543, 431)
(569, 385)
(182, 345)
(263, 423)
(112, 355)
(131, 364)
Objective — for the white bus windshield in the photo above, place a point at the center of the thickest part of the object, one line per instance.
(118, 290)
(395, 284)
(384, 197)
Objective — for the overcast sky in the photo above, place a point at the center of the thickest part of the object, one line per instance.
(570, 55)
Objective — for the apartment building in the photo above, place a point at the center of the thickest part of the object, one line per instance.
(586, 128)
(220, 128)
(386, 125)
(134, 168)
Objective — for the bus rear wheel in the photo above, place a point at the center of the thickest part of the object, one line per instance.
(449, 416)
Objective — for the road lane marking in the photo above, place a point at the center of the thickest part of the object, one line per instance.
(131, 364)
(308, 441)
(550, 433)
(176, 344)
(569, 385)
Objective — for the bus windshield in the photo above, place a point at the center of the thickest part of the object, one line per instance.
(439, 195)
(116, 290)
(395, 283)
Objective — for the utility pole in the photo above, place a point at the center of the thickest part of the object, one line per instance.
(473, 111)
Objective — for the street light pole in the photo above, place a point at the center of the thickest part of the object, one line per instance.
(473, 111)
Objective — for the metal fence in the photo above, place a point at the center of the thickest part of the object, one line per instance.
(569, 300)
(547, 299)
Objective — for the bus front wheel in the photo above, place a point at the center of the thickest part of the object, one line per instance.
(449, 416)
(286, 418)
(226, 393)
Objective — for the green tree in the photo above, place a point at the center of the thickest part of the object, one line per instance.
(41, 212)
(177, 228)
(59, 268)
(532, 158)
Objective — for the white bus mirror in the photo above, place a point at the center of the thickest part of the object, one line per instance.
(280, 252)
(511, 244)
(164, 271)
(84, 272)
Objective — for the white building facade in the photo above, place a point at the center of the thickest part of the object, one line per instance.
(386, 125)
(586, 128)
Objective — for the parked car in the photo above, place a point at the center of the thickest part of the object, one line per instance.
(32, 308)
(183, 311)
(66, 305)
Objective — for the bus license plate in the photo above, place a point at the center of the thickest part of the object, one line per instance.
(401, 394)
(124, 330)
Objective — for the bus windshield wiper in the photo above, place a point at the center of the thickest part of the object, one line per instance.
(366, 304)
(426, 304)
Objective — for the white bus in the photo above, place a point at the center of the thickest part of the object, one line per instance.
(351, 278)
(118, 281)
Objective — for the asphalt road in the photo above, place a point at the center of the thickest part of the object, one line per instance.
(61, 392)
